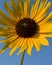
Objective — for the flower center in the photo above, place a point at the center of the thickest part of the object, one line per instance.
(26, 28)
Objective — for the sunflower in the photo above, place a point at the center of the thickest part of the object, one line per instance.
(25, 27)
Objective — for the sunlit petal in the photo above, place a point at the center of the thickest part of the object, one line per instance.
(43, 40)
(10, 12)
(34, 8)
(42, 13)
(18, 44)
(23, 47)
(36, 44)
(46, 28)
(29, 46)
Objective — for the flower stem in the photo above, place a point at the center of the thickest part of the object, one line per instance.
(23, 54)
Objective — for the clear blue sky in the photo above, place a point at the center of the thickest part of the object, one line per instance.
(44, 57)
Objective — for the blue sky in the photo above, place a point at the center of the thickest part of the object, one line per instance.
(44, 57)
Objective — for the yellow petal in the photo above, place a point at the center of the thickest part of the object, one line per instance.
(20, 5)
(43, 40)
(2, 34)
(6, 23)
(18, 44)
(5, 32)
(8, 45)
(9, 39)
(43, 13)
(23, 47)
(34, 8)
(8, 31)
(36, 44)
(26, 8)
(46, 28)
(9, 21)
(10, 12)
(29, 46)
(17, 8)
(4, 48)
(41, 7)
(14, 7)
(47, 35)
(49, 17)
(3, 29)
(2, 22)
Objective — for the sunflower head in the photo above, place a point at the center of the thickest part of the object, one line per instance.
(25, 27)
